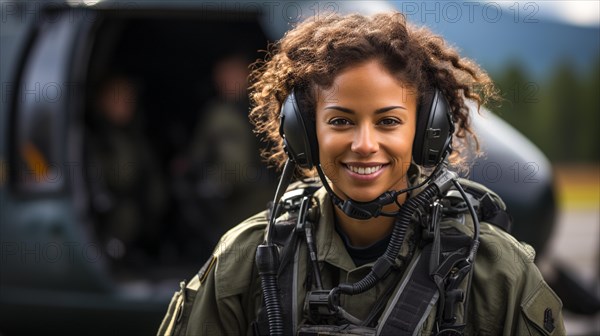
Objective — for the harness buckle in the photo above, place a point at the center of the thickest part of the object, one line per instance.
(322, 303)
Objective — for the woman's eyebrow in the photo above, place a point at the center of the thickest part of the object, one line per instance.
(378, 111)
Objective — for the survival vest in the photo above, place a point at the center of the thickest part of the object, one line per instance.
(425, 284)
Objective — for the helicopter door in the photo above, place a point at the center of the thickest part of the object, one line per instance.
(49, 244)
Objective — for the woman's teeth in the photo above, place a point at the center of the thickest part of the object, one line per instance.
(365, 170)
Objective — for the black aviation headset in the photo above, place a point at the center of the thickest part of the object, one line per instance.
(432, 143)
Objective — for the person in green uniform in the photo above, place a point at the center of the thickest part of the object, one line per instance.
(128, 190)
(390, 242)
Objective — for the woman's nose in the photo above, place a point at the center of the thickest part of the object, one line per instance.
(365, 141)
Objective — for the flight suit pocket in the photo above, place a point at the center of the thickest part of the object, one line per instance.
(183, 309)
(167, 324)
(543, 312)
(175, 322)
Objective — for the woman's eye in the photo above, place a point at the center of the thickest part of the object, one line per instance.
(389, 122)
(339, 122)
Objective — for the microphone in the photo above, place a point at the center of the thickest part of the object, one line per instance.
(362, 210)
(366, 210)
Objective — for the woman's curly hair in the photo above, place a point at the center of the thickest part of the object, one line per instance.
(312, 54)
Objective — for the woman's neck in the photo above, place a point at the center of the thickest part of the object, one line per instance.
(367, 232)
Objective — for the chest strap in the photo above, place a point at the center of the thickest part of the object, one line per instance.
(419, 293)
(413, 300)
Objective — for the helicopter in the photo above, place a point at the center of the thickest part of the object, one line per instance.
(55, 266)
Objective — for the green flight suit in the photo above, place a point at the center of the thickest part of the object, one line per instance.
(508, 295)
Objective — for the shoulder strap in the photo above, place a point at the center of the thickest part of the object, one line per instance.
(290, 205)
(492, 213)
(286, 237)
(490, 207)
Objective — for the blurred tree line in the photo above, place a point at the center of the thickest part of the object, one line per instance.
(560, 112)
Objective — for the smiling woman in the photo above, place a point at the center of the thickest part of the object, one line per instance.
(375, 246)
(365, 129)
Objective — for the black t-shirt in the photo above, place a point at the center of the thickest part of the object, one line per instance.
(367, 254)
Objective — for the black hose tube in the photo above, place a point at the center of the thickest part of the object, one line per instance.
(267, 263)
(383, 265)
(267, 259)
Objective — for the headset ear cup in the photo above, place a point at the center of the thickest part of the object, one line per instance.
(433, 136)
(298, 133)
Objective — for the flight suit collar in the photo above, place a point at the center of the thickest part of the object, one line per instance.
(331, 248)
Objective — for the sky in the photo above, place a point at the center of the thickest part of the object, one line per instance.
(579, 13)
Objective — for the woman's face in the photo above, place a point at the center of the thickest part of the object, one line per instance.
(365, 127)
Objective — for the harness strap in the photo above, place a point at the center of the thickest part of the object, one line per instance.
(418, 292)
(413, 300)
(287, 279)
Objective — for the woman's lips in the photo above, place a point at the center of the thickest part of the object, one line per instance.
(365, 171)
